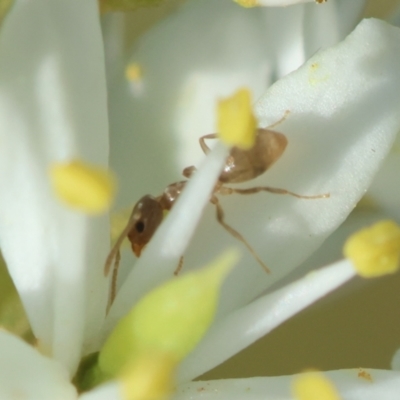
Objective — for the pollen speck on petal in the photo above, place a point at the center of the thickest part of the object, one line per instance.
(82, 186)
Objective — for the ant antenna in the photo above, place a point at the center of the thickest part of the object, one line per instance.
(115, 256)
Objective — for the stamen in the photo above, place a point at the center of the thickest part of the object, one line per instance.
(133, 72)
(82, 186)
(247, 3)
(236, 121)
(314, 386)
(375, 251)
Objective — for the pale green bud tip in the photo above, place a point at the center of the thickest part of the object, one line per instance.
(171, 319)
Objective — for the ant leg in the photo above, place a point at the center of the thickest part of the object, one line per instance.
(226, 190)
(113, 253)
(285, 115)
(235, 233)
(113, 289)
(179, 267)
(203, 145)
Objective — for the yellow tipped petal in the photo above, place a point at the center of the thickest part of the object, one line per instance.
(247, 3)
(82, 186)
(148, 378)
(236, 121)
(169, 320)
(314, 386)
(375, 251)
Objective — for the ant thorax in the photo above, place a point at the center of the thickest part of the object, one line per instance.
(170, 194)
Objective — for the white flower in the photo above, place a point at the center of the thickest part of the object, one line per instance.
(343, 119)
(53, 109)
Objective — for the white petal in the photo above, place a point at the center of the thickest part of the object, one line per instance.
(343, 119)
(349, 13)
(326, 24)
(395, 363)
(52, 108)
(321, 26)
(25, 374)
(244, 326)
(286, 27)
(385, 189)
(384, 385)
(395, 17)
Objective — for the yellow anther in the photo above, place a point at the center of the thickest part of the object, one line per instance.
(247, 3)
(150, 377)
(82, 186)
(133, 72)
(236, 121)
(375, 251)
(314, 386)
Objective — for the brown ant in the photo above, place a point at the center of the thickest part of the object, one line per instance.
(240, 166)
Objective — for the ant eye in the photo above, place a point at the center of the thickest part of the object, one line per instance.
(139, 226)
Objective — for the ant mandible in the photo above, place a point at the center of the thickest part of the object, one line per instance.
(240, 166)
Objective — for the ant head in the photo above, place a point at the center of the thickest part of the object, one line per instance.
(146, 217)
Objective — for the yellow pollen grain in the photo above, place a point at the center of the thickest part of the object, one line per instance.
(236, 121)
(247, 3)
(314, 386)
(134, 72)
(149, 378)
(82, 186)
(375, 251)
